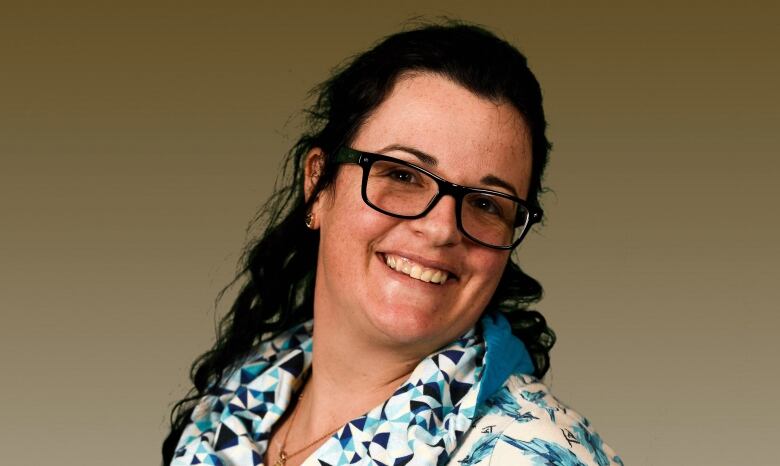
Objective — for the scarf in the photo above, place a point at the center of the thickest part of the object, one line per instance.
(420, 424)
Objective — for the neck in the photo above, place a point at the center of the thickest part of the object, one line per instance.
(348, 378)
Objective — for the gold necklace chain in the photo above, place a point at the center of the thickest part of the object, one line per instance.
(283, 455)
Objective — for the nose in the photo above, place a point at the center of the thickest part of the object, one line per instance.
(440, 225)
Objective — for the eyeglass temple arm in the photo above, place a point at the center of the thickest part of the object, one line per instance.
(347, 155)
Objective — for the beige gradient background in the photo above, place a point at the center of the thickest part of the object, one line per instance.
(137, 140)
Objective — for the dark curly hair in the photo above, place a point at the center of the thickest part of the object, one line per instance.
(278, 267)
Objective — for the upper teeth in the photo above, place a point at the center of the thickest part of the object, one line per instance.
(414, 270)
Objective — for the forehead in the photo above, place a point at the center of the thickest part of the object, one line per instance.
(469, 135)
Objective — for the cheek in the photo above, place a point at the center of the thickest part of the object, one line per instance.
(349, 227)
(490, 266)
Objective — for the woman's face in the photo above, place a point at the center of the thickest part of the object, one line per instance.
(471, 140)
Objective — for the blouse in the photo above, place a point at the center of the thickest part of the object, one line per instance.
(469, 403)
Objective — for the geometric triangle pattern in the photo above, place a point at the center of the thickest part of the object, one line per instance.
(421, 423)
(233, 426)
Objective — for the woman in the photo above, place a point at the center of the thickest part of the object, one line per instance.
(374, 325)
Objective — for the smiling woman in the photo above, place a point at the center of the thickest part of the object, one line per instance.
(382, 319)
(465, 138)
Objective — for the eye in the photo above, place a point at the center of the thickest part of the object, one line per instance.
(397, 176)
(402, 175)
(486, 204)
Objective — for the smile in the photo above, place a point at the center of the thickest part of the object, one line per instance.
(415, 270)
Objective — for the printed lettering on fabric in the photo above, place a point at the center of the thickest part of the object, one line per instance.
(524, 425)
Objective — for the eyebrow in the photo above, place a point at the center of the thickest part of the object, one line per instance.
(493, 180)
(490, 180)
(424, 158)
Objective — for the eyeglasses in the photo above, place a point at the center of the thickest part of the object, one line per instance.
(404, 190)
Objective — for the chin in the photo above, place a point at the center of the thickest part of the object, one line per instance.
(414, 327)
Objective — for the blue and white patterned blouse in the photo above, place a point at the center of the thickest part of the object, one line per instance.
(523, 424)
(469, 403)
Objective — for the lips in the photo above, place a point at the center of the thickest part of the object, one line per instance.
(416, 270)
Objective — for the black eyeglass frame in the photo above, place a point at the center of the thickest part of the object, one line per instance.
(458, 192)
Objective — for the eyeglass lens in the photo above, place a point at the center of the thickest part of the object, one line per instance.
(403, 190)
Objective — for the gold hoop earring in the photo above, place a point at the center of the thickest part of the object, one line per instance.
(309, 221)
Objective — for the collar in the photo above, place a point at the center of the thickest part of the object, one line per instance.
(420, 423)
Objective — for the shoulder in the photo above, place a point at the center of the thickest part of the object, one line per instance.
(523, 423)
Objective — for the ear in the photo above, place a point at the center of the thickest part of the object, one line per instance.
(312, 168)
